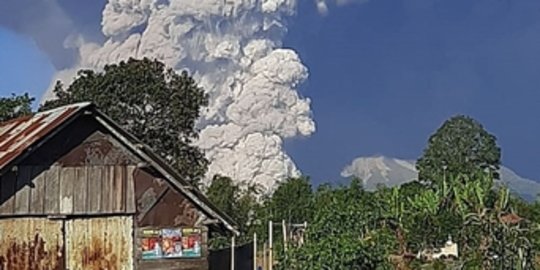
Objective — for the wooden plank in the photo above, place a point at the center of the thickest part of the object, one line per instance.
(80, 189)
(67, 179)
(130, 190)
(106, 189)
(143, 212)
(22, 197)
(118, 189)
(37, 200)
(7, 193)
(52, 190)
(95, 176)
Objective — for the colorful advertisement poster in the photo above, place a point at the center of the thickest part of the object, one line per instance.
(151, 244)
(171, 243)
(191, 242)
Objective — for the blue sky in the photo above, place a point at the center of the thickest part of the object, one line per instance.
(23, 67)
(385, 74)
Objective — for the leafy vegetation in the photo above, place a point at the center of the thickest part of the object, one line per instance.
(351, 228)
(460, 146)
(237, 201)
(15, 106)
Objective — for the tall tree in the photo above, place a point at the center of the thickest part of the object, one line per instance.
(15, 106)
(223, 193)
(238, 201)
(460, 146)
(156, 104)
(291, 201)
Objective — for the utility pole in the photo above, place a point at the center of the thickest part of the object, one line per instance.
(305, 229)
(270, 245)
(254, 251)
(284, 229)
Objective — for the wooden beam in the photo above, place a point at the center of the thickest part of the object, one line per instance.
(210, 221)
(143, 214)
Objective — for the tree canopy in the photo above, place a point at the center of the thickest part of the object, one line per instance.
(154, 103)
(15, 106)
(460, 146)
(291, 201)
(239, 202)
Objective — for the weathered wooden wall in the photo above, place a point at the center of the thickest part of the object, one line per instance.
(89, 180)
(31, 243)
(33, 190)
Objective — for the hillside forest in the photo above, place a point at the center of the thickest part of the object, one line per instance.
(457, 197)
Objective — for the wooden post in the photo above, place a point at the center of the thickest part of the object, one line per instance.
(270, 245)
(265, 267)
(284, 229)
(254, 251)
(232, 252)
(305, 231)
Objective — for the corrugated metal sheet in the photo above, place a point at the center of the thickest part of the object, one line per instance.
(100, 243)
(31, 243)
(18, 134)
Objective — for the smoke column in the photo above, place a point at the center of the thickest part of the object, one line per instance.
(233, 49)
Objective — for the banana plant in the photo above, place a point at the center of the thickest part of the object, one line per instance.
(426, 203)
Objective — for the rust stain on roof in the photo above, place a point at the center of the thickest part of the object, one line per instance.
(18, 134)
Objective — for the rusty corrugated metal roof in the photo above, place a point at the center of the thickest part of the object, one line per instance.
(18, 134)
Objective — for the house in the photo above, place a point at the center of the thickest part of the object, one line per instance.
(78, 192)
(448, 251)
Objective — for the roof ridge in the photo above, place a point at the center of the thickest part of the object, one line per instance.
(78, 105)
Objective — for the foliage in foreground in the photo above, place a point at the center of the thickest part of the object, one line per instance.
(15, 106)
(351, 228)
(385, 229)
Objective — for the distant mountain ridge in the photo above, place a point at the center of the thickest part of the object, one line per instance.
(392, 171)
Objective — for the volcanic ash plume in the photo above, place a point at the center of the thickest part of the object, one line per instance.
(232, 47)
